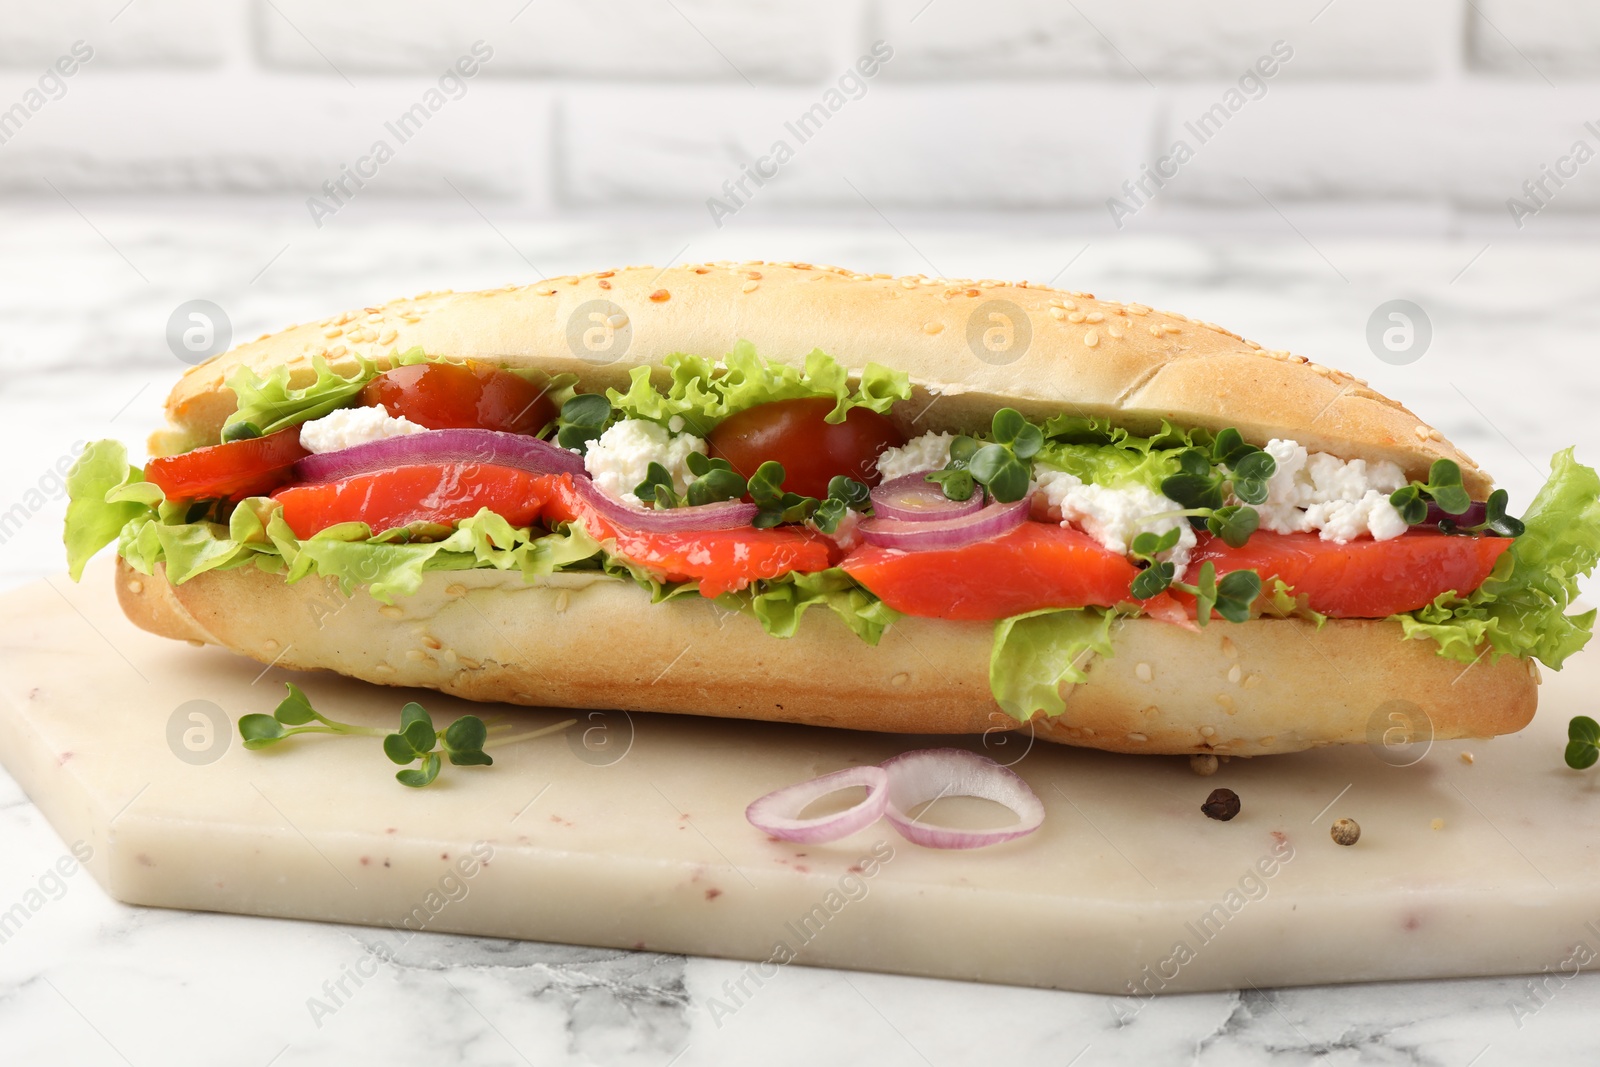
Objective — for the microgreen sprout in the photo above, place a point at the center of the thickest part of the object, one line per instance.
(776, 505)
(657, 487)
(1583, 742)
(1205, 479)
(1495, 519)
(715, 480)
(583, 418)
(417, 741)
(1231, 597)
(1443, 487)
(1001, 466)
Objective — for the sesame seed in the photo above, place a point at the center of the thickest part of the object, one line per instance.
(390, 611)
(1228, 648)
(617, 321)
(1114, 331)
(1268, 740)
(332, 331)
(1058, 313)
(563, 600)
(1155, 331)
(1466, 757)
(931, 328)
(606, 274)
(1208, 731)
(1421, 432)
(1138, 738)
(1094, 316)
(1435, 435)
(1076, 316)
(660, 295)
(432, 642)
(1252, 681)
(974, 292)
(900, 679)
(605, 284)
(1143, 672)
(455, 589)
(1091, 338)
(750, 287)
(1235, 673)
(388, 336)
(1437, 824)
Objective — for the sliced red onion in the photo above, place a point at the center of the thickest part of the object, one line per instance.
(918, 777)
(727, 515)
(778, 813)
(912, 498)
(987, 522)
(441, 446)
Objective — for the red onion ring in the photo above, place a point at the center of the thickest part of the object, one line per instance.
(912, 498)
(987, 522)
(778, 813)
(1473, 516)
(727, 515)
(918, 777)
(494, 447)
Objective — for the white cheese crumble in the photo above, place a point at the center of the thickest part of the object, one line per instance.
(1339, 499)
(349, 427)
(930, 452)
(619, 459)
(1114, 517)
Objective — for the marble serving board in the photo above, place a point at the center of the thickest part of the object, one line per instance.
(1475, 857)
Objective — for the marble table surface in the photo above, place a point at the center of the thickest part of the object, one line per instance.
(84, 301)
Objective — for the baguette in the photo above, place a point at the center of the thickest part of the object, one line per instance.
(589, 640)
(594, 641)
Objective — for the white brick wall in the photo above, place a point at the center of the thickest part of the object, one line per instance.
(1008, 105)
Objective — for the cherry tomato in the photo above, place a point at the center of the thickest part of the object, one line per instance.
(1037, 565)
(1364, 579)
(447, 396)
(236, 469)
(812, 450)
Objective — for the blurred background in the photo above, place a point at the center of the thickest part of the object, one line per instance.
(1407, 191)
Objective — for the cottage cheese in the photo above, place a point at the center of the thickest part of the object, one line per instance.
(619, 459)
(1340, 500)
(349, 427)
(1114, 517)
(930, 452)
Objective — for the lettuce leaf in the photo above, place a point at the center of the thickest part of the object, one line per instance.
(1521, 609)
(271, 404)
(1034, 653)
(1095, 451)
(94, 520)
(779, 604)
(703, 394)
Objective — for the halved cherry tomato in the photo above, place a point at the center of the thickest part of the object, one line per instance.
(1364, 579)
(229, 471)
(812, 450)
(721, 560)
(447, 396)
(441, 493)
(1037, 565)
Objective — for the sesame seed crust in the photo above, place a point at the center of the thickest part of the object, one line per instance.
(1076, 357)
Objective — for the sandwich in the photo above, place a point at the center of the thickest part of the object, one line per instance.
(795, 493)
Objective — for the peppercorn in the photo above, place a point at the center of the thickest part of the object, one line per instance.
(1222, 805)
(1345, 831)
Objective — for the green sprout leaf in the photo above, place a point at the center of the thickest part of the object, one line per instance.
(656, 487)
(1236, 592)
(1250, 476)
(464, 740)
(399, 750)
(1582, 728)
(259, 731)
(773, 504)
(296, 709)
(1152, 581)
(1408, 501)
(583, 418)
(1234, 523)
(240, 431)
(1001, 472)
(416, 726)
(417, 777)
(1581, 756)
(957, 482)
(715, 480)
(1495, 518)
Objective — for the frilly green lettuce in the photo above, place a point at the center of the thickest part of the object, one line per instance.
(1034, 653)
(703, 394)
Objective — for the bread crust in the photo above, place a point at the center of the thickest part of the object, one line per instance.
(1065, 351)
(593, 641)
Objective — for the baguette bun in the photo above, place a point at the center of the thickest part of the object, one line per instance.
(594, 641)
(591, 641)
(1056, 351)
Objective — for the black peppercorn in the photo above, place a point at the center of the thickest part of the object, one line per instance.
(1222, 805)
